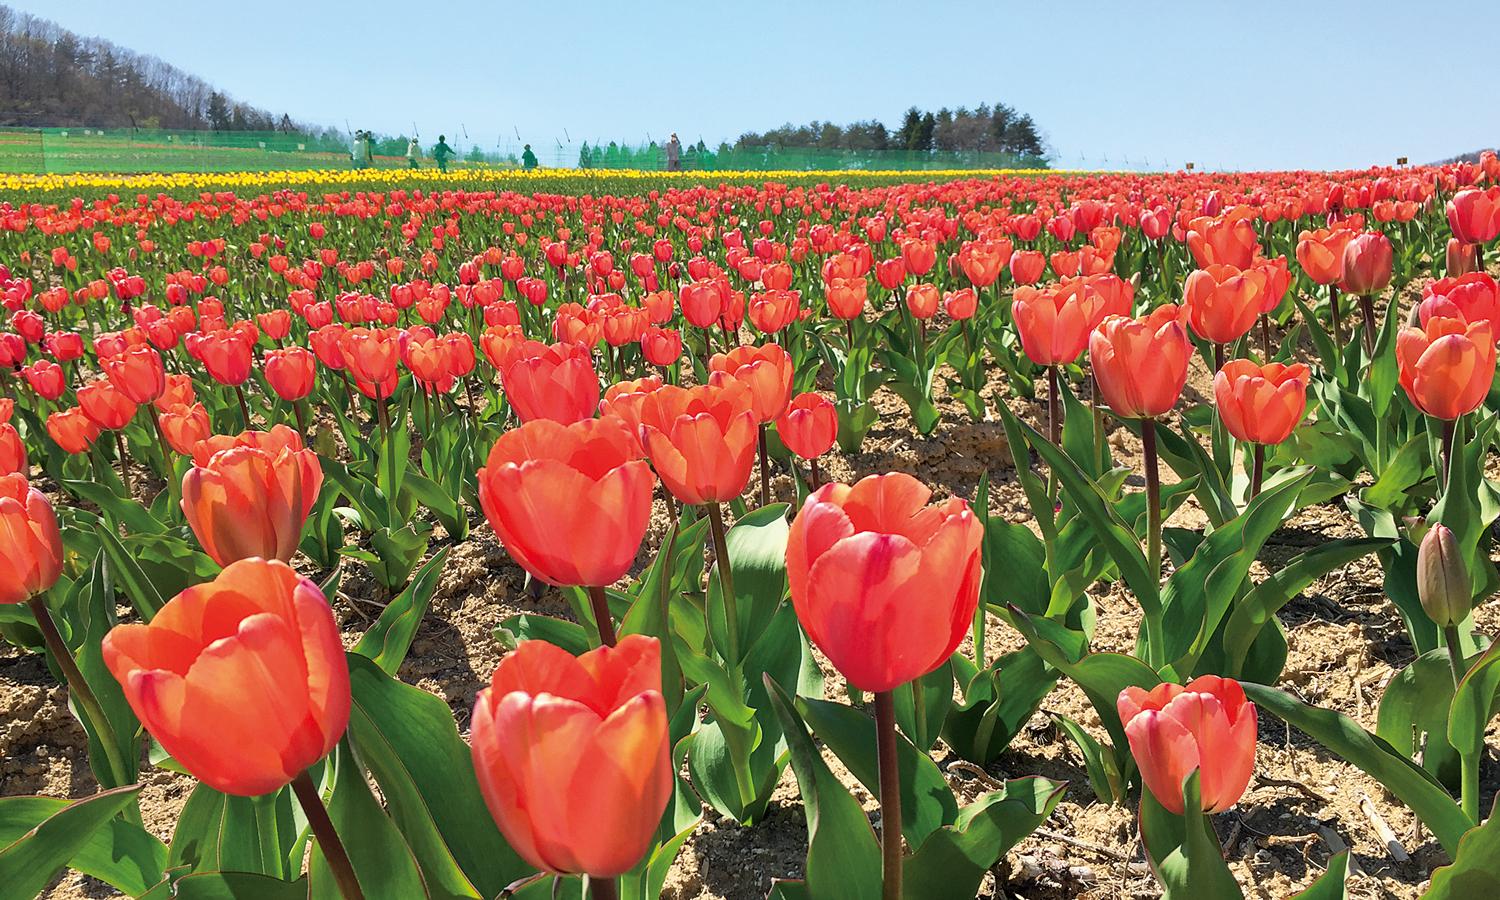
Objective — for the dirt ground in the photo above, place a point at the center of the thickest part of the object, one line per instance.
(1303, 804)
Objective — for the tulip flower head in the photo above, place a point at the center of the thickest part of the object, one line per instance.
(242, 679)
(570, 503)
(573, 754)
(1205, 726)
(1261, 404)
(249, 495)
(884, 584)
(1446, 366)
(31, 553)
(1141, 364)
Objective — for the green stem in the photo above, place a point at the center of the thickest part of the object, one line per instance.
(726, 582)
(600, 603)
(78, 688)
(327, 837)
(266, 833)
(890, 795)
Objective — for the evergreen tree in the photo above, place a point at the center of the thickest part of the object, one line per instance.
(925, 131)
(911, 124)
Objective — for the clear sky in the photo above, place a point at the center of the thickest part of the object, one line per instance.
(1241, 85)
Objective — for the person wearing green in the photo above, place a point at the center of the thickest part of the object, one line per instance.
(528, 159)
(440, 153)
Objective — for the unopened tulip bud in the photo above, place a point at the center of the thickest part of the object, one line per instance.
(1443, 583)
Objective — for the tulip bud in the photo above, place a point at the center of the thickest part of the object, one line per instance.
(1443, 583)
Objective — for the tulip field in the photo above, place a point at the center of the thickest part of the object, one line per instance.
(402, 535)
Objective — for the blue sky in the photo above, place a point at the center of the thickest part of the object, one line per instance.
(1311, 84)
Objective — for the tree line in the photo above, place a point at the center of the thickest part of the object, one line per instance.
(999, 128)
(53, 77)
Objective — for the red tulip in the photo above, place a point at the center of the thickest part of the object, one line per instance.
(137, 373)
(1446, 366)
(809, 425)
(106, 405)
(226, 355)
(1261, 404)
(47, 378)
(1141, 364)
(701, 440)
(961, 304)
(31, 553)
(290, 372)
(242, 679)
(1321, 254)
(249, 495)
(661, 346)
(1474, 215)
(1230, 240)
(1474, 297)
(569, 502)
(846, 297)
(573, 755)
(1205, 726)
(559, 384)
(884, 585)
(1367, 264)
(922, 300)
(1026, 266)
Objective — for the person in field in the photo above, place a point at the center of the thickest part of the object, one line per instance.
(674, 154)
(528, 159)
(413, 154)
(441, 152)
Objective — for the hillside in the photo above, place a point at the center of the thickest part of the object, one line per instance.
(50, 76)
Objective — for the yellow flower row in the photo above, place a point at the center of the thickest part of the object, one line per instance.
(12, 184)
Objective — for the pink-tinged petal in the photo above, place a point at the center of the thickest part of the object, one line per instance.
(862, 611)
(1166, 754)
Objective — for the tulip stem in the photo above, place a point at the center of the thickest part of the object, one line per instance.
(603, 889)
(1257, 470)
(1367, 309)
(814, 473)
(1338, 320)
(726, 582)
(124, 463)
(78, 688)
(1455, 653)
(765, 470)
(1054, 421)
(1449, 426)
(890, 794)
(1153, 496)
(327, 837)
(600, 603)
(1265, 337)
(239, 394)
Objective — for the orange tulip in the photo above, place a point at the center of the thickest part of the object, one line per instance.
(1261, 404)
(226, 355)
(72, 430)
(885, 585)
(106, 405)
(242, 679)
(981, 262)
(1053, 323)
(661, 346)
(1230, 240)
(1460, 258)
(12, 451)
(624, 399)
(185, 427)
(558, 383)
(922, 299)
(1141, 364)
(809, 425)
(249, 495)
(1321, 253)
(846, 297)
(31, 552)
(1446, 366)
(765, 370)
(961, 304)
(1205, 726)
(573, 755)
(1223, 302)
(570, 503)
(701, 440)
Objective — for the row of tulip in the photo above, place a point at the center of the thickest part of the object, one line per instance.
(261, 411)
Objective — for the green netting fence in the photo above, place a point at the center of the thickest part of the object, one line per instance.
(137, 151)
